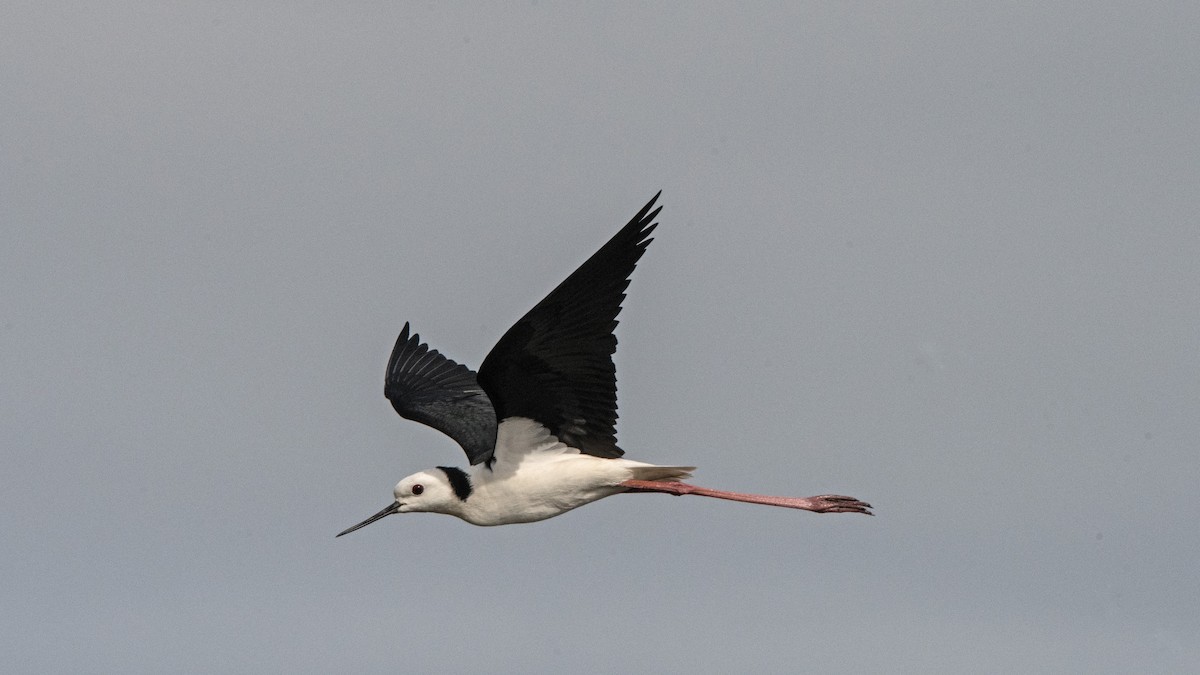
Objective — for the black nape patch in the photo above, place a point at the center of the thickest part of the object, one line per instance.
(459, 480)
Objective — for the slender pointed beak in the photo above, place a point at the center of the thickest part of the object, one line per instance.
(393, 508)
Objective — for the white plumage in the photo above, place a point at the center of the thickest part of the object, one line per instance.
(535, 476)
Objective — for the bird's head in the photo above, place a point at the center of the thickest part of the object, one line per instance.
(425, 491)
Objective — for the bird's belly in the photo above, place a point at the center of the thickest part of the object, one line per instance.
(532, 494)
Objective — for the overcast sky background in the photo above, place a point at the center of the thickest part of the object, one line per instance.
(939, 256)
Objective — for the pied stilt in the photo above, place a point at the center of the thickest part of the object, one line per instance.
(538, 420)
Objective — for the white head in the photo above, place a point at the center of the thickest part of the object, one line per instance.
(429, 491)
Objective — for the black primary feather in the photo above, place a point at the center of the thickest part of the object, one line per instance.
(429, 388)
(555, 365)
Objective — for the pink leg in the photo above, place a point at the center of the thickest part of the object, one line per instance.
(819, 504)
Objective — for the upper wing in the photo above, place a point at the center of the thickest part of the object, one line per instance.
(429, 388)
(555, 364)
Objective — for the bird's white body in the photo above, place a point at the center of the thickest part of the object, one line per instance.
(535, 476)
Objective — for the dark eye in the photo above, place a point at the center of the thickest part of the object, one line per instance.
(418, 489)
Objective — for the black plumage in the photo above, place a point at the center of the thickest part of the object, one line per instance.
(460, 482)
(553, 366)
(429, 388)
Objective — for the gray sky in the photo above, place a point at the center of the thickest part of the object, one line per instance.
(941, 257)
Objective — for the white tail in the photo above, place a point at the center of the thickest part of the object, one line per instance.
(661, 473)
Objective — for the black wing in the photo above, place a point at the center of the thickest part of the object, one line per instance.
(431, 389)
(555, 364)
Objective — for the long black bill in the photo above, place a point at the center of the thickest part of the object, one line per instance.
(395, 507)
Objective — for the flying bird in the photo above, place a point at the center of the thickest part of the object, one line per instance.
(537, 422)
